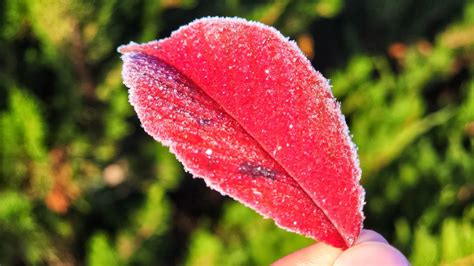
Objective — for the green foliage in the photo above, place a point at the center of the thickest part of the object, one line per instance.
(81, 183)
(23, 131)
(240, 239)
(455, 244)
(21, 235)
(101, 252)
(204, 249)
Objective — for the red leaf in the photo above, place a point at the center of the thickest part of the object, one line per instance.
(241, 107)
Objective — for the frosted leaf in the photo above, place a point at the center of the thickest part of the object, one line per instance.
(319, 159)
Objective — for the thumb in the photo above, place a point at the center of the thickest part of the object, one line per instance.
(370, 249)
(319, 254)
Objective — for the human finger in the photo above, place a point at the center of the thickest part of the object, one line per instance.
(367, 235)
(318, 254)
(371, 249)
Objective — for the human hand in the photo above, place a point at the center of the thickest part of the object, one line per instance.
(370, 249)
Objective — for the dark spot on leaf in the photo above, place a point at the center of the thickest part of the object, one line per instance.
(204, 121)
(255, 170)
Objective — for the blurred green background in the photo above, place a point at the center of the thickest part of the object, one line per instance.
(81, 183)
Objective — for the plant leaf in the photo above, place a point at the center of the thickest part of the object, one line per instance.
(241, 107)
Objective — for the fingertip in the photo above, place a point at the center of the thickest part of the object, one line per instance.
(318, 254)
(367, 235)
(371, 248)
(372, 253)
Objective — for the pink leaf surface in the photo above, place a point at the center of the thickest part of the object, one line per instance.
(241, 107)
